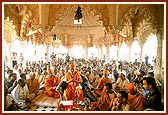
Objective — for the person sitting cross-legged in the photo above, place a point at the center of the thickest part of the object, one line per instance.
(73, 80)
(106, 99)
(135, 97)
(50, 85)
(154, 96)
(21, 95)
(102, 81)
(120, 103)
(33, 85)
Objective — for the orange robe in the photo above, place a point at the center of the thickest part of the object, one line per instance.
(50, 82)
(101, 83)
(71, 92)
(137, 101)
(33, 86)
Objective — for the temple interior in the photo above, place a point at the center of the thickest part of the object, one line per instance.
(43, 39)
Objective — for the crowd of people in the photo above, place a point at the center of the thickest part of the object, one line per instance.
(113, 86)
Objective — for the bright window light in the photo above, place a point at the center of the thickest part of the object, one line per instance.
(77, 52)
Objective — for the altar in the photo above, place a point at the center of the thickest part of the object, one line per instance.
(78, 104)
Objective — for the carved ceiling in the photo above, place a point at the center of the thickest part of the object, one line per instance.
(101, 23)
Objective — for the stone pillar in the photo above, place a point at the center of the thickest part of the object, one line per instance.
(9, 55)
(68, 50)
(141, 53)
(118, 53)
(86, 52)
(98, 57)
(43, 13)
(158, 64)
(129, 52)
(107, 53)
(47, 53)
(113, 12)
(101, 54)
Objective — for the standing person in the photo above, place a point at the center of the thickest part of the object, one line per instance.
(146, 59)
(154, 95)
(135, 97)
(73, 79)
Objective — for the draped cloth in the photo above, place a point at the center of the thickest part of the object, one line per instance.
(105, 101)
(51, 82)
(101, 83)
(137, 101)
(71, 92)
(33, 85)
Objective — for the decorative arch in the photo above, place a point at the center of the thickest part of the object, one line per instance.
(21, 16)
(135, 18)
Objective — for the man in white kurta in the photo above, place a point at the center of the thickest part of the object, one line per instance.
(21, 94)
(122, 82)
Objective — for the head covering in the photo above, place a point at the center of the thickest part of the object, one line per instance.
(105, 72)
(72, 66)
(130, 87)
(49, 71)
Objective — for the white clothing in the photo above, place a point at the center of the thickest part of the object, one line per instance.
(20, 94)
(122, 83)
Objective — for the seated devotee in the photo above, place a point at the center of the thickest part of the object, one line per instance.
(120, 103)
(115, 74)
(106, 100)
(45, 73)
(50, 85)
(12, 82)
(21, 94)
(9, 103)
(73, 79)
(102, 81)
(154, 95)
(33, 85)
(135, 97)
(94, 78)
(40, 77)
(23, 76)
(158, 83)
(7, 73)
(122, 82)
